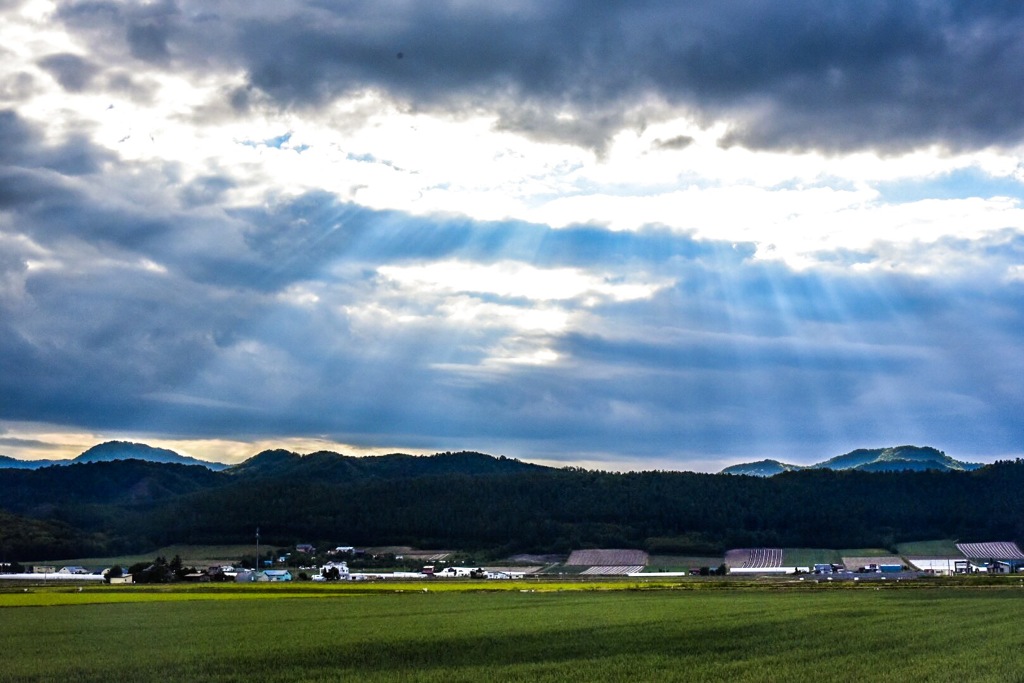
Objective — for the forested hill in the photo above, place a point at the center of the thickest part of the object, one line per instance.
(7, 462)
(126, 450)
(141, 482)
(113, 483)
(112, 451)
(895, 459)
(477, 502)
(327, 466)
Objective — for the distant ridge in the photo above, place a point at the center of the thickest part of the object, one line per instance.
(322, 465)
(126, 450)
(7, 462)
(761, 468)
(111, 451)
(328, 466)
(894, 459)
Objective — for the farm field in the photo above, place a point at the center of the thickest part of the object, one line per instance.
(606, 558)
(945, 548)
(931, 633)
(806, 557)
(681, 563)
(205, 555)
(191, 555)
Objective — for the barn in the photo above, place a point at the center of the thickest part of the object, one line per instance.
(998, 557)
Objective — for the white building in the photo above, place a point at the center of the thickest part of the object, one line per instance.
(327, 571)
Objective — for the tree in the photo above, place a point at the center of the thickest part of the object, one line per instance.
(114, 572)
(157, 572)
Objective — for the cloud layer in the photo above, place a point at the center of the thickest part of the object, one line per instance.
(787, 75)
(653, 234)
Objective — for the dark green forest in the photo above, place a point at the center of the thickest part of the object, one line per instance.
(497, 506)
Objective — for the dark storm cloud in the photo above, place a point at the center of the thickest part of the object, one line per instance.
(842, 75)
(180, 317)
(22, 147)
(142, 29)
(737, 354)
(21, 443)
(716, 352)
(206, 190)
(678, 142)
(147, 39)
(108, 338)
(71, 71)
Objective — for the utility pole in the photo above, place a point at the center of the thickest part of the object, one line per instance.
(257, 567)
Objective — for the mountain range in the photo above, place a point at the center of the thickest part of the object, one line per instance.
(495, 504)
(323, 466)
(895, 459)
(338, 467)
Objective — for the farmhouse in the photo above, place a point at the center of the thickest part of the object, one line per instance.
(274, 575)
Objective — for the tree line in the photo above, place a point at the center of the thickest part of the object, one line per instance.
(521, 510)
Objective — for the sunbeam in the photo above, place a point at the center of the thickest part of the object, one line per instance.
(670, 238)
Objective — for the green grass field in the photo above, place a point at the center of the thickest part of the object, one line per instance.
(682, 563)
(312, 633)
(191, 555)
(807, 557)
(945, 548)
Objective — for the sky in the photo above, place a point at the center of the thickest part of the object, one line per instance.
(656, 234)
